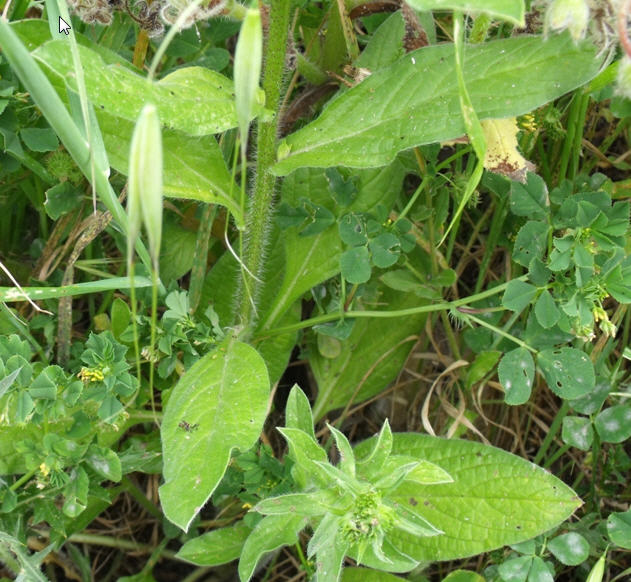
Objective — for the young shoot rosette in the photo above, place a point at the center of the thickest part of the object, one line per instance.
(145, 193)
(346, 505)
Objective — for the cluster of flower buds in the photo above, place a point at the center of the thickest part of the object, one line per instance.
(94, 11)
(172, 9)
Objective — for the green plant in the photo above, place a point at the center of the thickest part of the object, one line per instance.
(376, 506)
(355, 218)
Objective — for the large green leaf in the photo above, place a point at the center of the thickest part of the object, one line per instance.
(219, 405)
(371, 357)
(511, 10)
(496, 498)
(194, 100)
(194, 167)
(416, 100)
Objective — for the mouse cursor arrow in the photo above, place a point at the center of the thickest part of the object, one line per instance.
(63, 26)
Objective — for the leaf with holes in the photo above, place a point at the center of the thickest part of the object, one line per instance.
(516, 372)
(530, 199)
(568, 372)
(219, 405)
(531, 242)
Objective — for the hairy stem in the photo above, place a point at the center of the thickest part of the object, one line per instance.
(258, 221)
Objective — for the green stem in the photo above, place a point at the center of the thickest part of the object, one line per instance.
(578, 138)
(140, 497)
(501, 332)
(261, 210)
(552, 432)
(23, 479)
(415, 196)
(395, 313)
(497, 224)
(566, 152)
(154, 325)
(200, 257)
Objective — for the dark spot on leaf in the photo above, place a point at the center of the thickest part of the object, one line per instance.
(413, 502)
(518, 527)
(426, 503)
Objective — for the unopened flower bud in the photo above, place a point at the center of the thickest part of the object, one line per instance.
(624, 77)
(570, 14)
(144, 196)
(247, 70)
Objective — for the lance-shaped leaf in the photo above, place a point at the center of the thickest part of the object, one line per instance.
(307, 504)
(298, 412)
(495, 498)
(193, 100)
(271, 533)
(219, 405)
(347, 458)
(415, 101)
(372, 463)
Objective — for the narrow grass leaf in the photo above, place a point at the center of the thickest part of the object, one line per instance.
(10, 294)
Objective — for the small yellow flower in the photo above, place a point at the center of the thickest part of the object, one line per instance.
(91, 375)
(527, 122)
(44, 469)
(246, 506)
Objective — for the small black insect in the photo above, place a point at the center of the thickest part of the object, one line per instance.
(188, 427)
